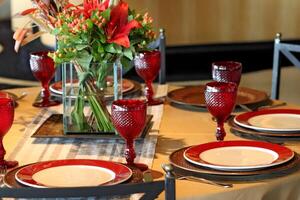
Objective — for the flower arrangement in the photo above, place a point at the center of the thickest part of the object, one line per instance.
(93, 32)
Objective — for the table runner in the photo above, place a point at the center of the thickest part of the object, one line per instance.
(30, 150)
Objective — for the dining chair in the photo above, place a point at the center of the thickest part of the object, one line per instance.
(160, 44)
(286, 49)
(150, 190)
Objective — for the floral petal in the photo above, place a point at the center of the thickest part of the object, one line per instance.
(20, 33)
(127, 28)
(28, 11)
(19, 36)
(103, 6)
(118, 18)
(122, 40)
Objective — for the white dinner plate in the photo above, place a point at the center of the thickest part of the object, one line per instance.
(276, 120)
(238, 155)
(73, 173)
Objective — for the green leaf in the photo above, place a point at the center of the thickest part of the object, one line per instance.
(82, 76)
(106, 14)
(89, 23)
(128, 53)
(118, 48)
(55, 31)
(102, 38)
(110, 48)
(84, 59)
(127, 64)
(81, 47)
(100, 49)
(130, 17)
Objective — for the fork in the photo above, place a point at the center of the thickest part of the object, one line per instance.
(203, 180)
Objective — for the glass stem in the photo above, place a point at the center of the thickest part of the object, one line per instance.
(220, 133)
(2, 152)
(45, 91)
(129, 152)
(149, 91)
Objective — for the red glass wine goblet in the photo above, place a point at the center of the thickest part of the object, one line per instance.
(220, 98)
(43, 69)
(7, 109)
(227, 71)
(147, 65)
(129, 119)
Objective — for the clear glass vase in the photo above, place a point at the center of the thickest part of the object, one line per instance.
(87, 89)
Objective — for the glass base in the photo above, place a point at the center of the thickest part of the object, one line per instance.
(46, 103)
(140, 166)
(156, 101)
(9, 164)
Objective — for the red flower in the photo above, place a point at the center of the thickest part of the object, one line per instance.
(90, 5)
(118, 27)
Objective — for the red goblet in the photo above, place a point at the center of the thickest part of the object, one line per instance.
(227, 71)
(7, 117)
(220, 98)
(129, 119)
(43, 69)
(147, 65)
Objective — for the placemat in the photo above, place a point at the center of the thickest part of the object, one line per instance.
(183, 167)
(29, 150)
(53, 128)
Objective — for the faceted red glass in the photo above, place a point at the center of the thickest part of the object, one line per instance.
(43, 69)
(7, 115)
(220, 98)
(7, 118)
(147, 66)
(227, 71)
(129, 118)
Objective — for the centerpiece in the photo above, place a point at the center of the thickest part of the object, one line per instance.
(95, 37)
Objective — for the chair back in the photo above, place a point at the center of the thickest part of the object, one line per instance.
(280, 49)
(160, 44)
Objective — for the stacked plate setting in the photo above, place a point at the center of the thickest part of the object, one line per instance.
(238, 155)
(273, 123)
(71, 173)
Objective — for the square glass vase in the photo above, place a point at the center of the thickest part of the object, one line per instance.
(86, 98)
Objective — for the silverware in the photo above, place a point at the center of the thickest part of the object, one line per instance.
(272, 106)
(247, 108)
(24, 94)
(203, 180)
(169, 167)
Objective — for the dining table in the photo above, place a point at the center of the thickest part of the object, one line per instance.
(178, 128)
